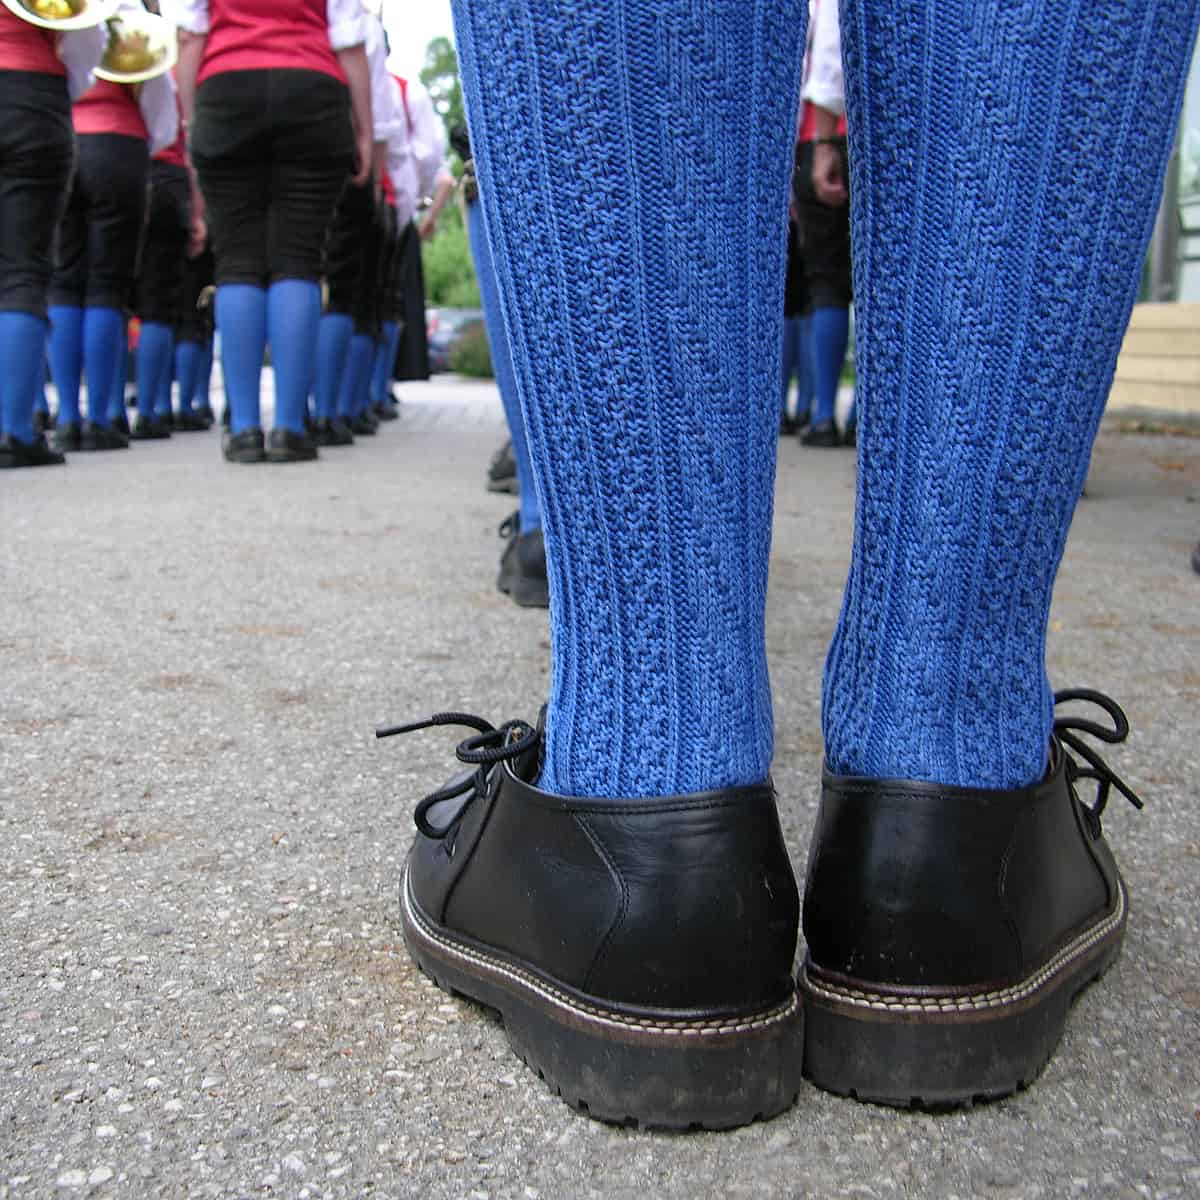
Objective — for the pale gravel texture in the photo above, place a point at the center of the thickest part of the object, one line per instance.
(203, 988)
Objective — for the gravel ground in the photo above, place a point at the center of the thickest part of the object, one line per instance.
(203, 989)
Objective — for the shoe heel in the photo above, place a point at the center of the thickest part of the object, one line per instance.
(908, 1053)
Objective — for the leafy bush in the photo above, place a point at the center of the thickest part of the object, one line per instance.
(470, 354)
(446, 259)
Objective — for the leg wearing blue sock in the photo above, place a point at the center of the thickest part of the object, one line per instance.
(103, 347)
(22, 358)
(805, 392)
(385, 360)
(65, 349)
(644, 312)
(116, 402)
(356, 379)
(333, 348)
(40, 403)
(200, 396)
(189, 359)
(293, 321)
(154, 352)
(502, 367)
(242, 320)
(994, 280)
(830, 336)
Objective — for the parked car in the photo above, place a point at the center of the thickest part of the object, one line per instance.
(445, 327)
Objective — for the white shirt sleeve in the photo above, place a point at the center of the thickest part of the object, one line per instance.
(387, 112)
(79, 50)
(428, 139)
(160, 111)
(347, 23)
(823, 84)
(191, 15)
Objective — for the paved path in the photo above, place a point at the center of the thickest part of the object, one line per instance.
(203, 989)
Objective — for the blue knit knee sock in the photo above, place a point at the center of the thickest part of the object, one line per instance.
(805, 390)
(103, 346)
(999, 222)
(385, 361)
(830, 334)
(333, 348)
(356, 378)
(65, 351)
(502, 367)
(293, 321)
(200, 396)
(154, 352)
(242, 320)
(634, 178)
(189, 358)
(116, 398)
(22, 358)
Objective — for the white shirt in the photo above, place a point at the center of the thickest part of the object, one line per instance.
(347, 19)
(823, 83)
(387, 112)
(80, 50)
(428, 140)
(160, 111)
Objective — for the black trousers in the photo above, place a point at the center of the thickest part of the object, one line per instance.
(196, 317)
(391, 290)
(272, 149)
(37, 149)
(98, 237)
(412, 358)
(354, 258)
(164, 248)
(824, 236)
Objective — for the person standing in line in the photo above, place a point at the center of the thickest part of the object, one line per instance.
(194, 337)
(797, 337)
(279, 106)
(117, 127)
(41, 72)
(611, 876)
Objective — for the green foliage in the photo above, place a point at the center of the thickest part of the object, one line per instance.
(446, 258)
(470, 355)
(440, 77)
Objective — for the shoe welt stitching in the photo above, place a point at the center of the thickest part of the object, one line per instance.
(860, 998)
(682, 1028)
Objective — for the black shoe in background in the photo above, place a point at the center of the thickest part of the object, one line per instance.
(502, 471)
(523, 565)
(362, 425)
(787, 425)
(384, 411)
(98, 437)
(284, 446)
(148, 429)
(121, 423)
(205, 412)
(67, 436)
(43, 421)
(16, 453)
(823, 436)
(332, 431)
(190, 421)
(244, 447)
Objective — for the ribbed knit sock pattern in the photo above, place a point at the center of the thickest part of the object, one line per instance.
(154, 353)
(530, 514)
(22, 356)
(829, 333)
(65, 352)
(1006, 163)
(293, 319)
(104, 346)
(633, 165)
(242, 322)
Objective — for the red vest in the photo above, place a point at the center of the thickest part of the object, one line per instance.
(255, 35)
(25, 47)
(109, 108)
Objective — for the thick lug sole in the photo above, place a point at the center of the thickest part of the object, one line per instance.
(653, 1069)
(506, 487)
(922, 1050)
(525, 590)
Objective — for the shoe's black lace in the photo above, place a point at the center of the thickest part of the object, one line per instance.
(491, 745)
(1089, 764)
(510, 526)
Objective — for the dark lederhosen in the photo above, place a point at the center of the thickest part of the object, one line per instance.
(824, 235)
(272, 148)
(391, 303)
(355, 258)
(37, 147)
(412, 358)
(796, 302)
(99, 234)
(164, 248)
(196, 315)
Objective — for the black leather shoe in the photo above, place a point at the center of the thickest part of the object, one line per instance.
(148, 429)
(16, 453)
(332, 431)
(638, 951)
(362, 424)
(949, 929)
(502, 471)
(384, 411)
(523, 565)
(787, 425)
(823, 435)
(205, 412)
(191, 421)
(68, 436)
(244, 447)
(99, 437)
(284, 446)
(121, 423)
